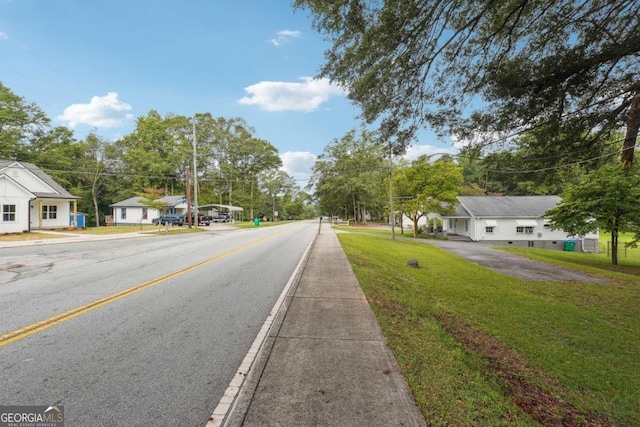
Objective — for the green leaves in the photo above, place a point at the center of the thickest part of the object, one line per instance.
(349, 176)
(484, 67)
(425, 187)
(608, 199)
(21, 123)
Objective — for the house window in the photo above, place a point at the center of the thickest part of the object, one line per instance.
(526, 230)
(489, 229)
(49, 212)
(8, 212)
(144, 213)
(123, 213)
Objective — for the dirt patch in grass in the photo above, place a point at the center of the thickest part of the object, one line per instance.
(391, 307)
(544, 405)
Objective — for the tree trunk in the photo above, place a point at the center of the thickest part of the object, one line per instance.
(633, 126)
(415, 218)
(273, 208)
(95, 207)
(355, 208)
(364, 213)
(94, 196)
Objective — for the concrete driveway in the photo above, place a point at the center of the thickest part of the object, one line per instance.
(512, 265)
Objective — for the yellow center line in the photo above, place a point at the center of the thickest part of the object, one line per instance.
(34, 328)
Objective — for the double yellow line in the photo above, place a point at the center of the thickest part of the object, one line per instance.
(34, 328)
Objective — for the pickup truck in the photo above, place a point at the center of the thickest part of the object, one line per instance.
(202, 219)
(169, 219)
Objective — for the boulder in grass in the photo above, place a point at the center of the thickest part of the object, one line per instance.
(413, 263)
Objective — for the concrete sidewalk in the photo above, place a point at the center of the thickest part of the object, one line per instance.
(327, 363)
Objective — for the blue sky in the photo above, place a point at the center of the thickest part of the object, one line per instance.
(101, 64)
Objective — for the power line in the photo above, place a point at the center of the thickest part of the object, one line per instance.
(511, 171)
(134, 175)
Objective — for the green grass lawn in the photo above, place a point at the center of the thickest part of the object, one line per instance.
(160, 229)
(250, 224)
(481, 348)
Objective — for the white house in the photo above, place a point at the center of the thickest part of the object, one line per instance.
(512, 220)
(133, 211)
(30, 199)
(426, 220)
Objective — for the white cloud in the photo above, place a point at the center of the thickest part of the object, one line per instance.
(103, 111)
(299, 164)
(285, 36)
(3, 35)
(285, 96)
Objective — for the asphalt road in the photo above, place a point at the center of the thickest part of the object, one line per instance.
(512, 265)
(161, 354)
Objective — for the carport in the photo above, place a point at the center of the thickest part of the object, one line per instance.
(237, 213)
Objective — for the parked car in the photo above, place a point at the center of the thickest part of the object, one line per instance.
(170, 220)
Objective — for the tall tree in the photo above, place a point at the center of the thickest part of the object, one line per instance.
(276, 184)
(349, 176)
(607, 199)
(21, 124)
(254, 157)
(425, 187)
(57, 152)
(157, 152)
(230, 137)
(484, 68)
(93, 169)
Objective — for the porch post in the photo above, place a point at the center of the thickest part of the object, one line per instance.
(40, 214)
(75, 213)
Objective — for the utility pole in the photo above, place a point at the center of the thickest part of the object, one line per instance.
(195, 175)
(392, 215)
(188, 176)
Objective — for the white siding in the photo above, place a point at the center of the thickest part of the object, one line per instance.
(21, 222)
(134, 215)
(407, 222)
(61, 220)
(181, 208)
(13, 194)
(506, 229)
(27, 179)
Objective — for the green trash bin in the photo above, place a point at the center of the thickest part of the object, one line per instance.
(569, 245)
(256, 221)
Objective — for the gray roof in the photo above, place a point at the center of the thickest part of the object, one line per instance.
(173, 200)
(136, 202)
(504, 206)
(60, 192)
(131, 202)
